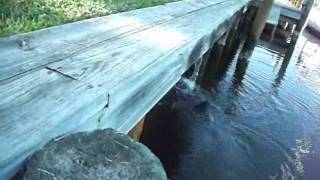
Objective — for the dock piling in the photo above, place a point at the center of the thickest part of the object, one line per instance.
(261, 18)
(104, 72)
(213, 60)
(298, 29)
(233, 36)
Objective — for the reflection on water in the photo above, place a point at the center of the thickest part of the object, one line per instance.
(258, 118)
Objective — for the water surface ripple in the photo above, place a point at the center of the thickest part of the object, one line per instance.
(261, 123)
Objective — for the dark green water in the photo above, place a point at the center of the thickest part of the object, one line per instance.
(259, 119)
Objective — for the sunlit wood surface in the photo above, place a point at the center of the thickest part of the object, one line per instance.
(99, 73)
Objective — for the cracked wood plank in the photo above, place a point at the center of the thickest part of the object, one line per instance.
(39, 106)
(139, 69)
(24, 53)
(108, 73)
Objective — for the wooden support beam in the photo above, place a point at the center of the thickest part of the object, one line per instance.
(305, 15)
(212, 61)
(216, 60)
(298, 29)
(201, 67)
(261, 18)
(233, 37)
(274, 28)
(136, 131)
(105, 72)
(246, 21)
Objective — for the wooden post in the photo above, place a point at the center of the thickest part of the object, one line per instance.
(202, 67)
(305, 15)
(274, 28)
(261, 18)
(300, 26)
(254, 33)
(290, 28)
(136, 131)
(213, 59)
(246, 20)
(232, 38)
(219, 52)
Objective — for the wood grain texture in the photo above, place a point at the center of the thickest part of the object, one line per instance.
(23, 53)
(140, 78)
(39, 106)
(110, 64)
(99, 73)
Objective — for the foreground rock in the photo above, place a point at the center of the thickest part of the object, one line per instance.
(102, 154)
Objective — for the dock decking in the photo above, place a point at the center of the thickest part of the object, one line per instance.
(98, 73)
(288, 11)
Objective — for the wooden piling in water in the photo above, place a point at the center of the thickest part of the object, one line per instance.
(213, 59)
(261, 18)
(233, 37)
(299, 28)
(246, 20)
(202, 67)
(120, 66)
(305, 15)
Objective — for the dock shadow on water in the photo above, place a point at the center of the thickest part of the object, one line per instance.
(259, 119)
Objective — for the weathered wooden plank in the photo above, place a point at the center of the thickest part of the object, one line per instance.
(112, 67)
(131, 102)
(23, 53)
(36, 107)
(128, 69)
(123, 68)
(131, 96)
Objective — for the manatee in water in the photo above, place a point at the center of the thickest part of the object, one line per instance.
(195, 140)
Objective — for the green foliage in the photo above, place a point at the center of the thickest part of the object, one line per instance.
(19, 16)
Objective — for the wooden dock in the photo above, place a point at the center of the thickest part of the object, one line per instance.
(99, 73)
(287, 11)
(287, 20)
